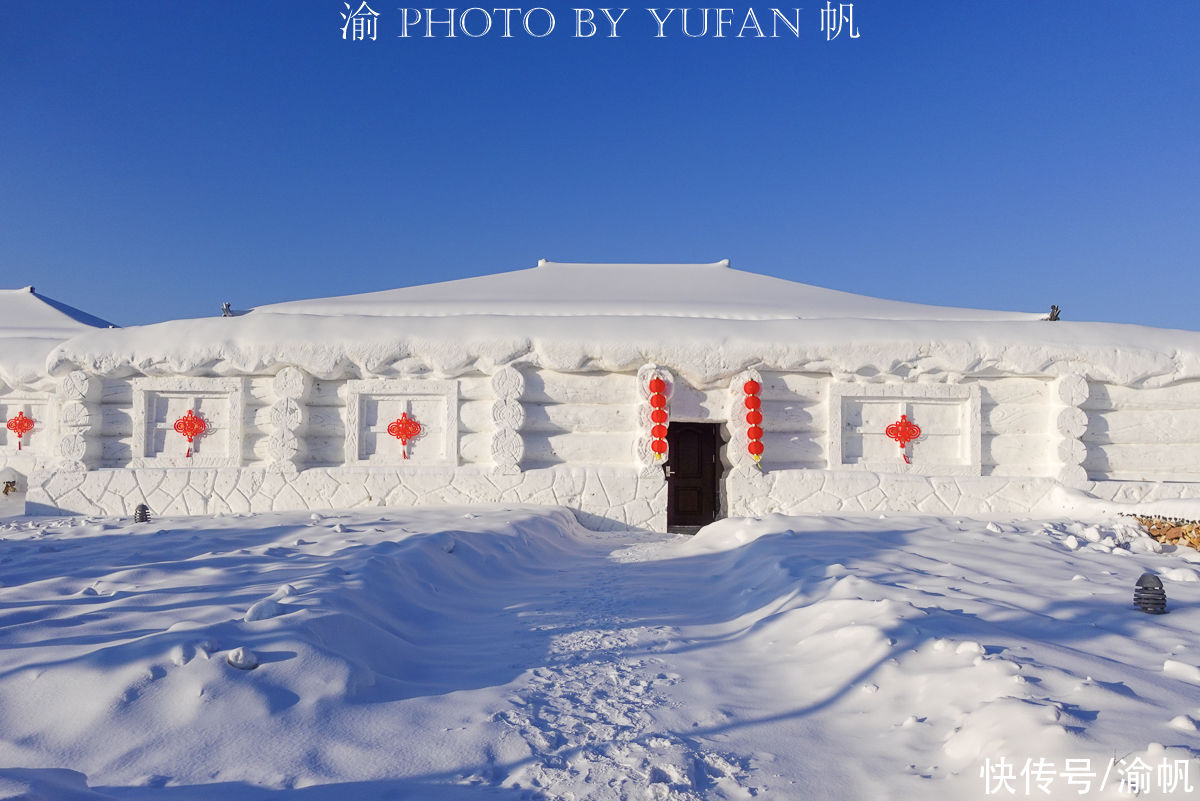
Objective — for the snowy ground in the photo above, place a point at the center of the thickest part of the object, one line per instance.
(511, 654)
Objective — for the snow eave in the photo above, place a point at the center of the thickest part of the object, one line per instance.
(706, 352)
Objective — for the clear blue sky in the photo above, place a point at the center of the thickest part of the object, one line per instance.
(158, 158)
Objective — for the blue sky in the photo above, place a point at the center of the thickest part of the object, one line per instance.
(158, 158)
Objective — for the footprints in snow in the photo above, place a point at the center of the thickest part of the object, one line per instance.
(587, 719)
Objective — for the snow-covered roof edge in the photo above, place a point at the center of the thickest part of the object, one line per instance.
(704, 351)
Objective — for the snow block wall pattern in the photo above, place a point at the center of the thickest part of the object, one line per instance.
(528, 435)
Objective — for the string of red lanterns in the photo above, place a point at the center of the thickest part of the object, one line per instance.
(754, 420)
(659, 416)
(20, 425)
(190, 426)
(404, 428)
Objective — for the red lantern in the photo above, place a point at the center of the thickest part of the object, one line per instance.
(754, 418)
(20, 425)
(658, 415)
(404, 428)
(191, 427)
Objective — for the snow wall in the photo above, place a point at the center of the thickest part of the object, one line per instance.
(524, 434)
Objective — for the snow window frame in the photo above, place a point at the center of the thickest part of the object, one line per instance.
(229, 392)
(42, 410)
(443, 392)
(965, 397)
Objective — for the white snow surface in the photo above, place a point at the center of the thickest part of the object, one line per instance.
(708, 322)
(31, 325)
(566, 289)
(509, 653)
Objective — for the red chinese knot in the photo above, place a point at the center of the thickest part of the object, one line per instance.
(191, 427)
(404, 428)
(658, 415)
(903, 431)
(754, 418)
(20, 425)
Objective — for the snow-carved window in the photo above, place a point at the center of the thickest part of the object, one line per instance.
(374, 405)
(947, 414)
(159, 402)
(35, 440)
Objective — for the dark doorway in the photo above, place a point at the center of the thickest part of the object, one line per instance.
(693, 475)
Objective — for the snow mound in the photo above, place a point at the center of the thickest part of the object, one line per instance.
(242, 659)
(28, 784)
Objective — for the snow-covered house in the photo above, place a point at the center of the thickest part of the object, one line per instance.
(541, 386)
(31, 325)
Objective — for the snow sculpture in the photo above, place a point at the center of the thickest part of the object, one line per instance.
(508, 415)
(1070, 423)
(79, 392)
(291, 387)
(371, 406)
(532, 386)
(860, 416)
(159, 402)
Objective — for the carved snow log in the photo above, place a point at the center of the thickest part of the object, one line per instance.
(545, 386)
(1143, 426)
(1184, 395)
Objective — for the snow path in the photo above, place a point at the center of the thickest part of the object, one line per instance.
(589, 715)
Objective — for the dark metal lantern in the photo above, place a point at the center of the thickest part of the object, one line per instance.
(141, 514)
(1149, 595)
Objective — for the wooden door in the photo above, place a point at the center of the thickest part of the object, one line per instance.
(693, 475)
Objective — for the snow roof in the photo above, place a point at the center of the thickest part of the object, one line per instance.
(618, 317)
(31, 325)
(23, 312)
(560, 289)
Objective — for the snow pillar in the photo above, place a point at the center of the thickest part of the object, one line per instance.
(508, 415)
(1070, 422)
(291, 387)
(79, 417)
